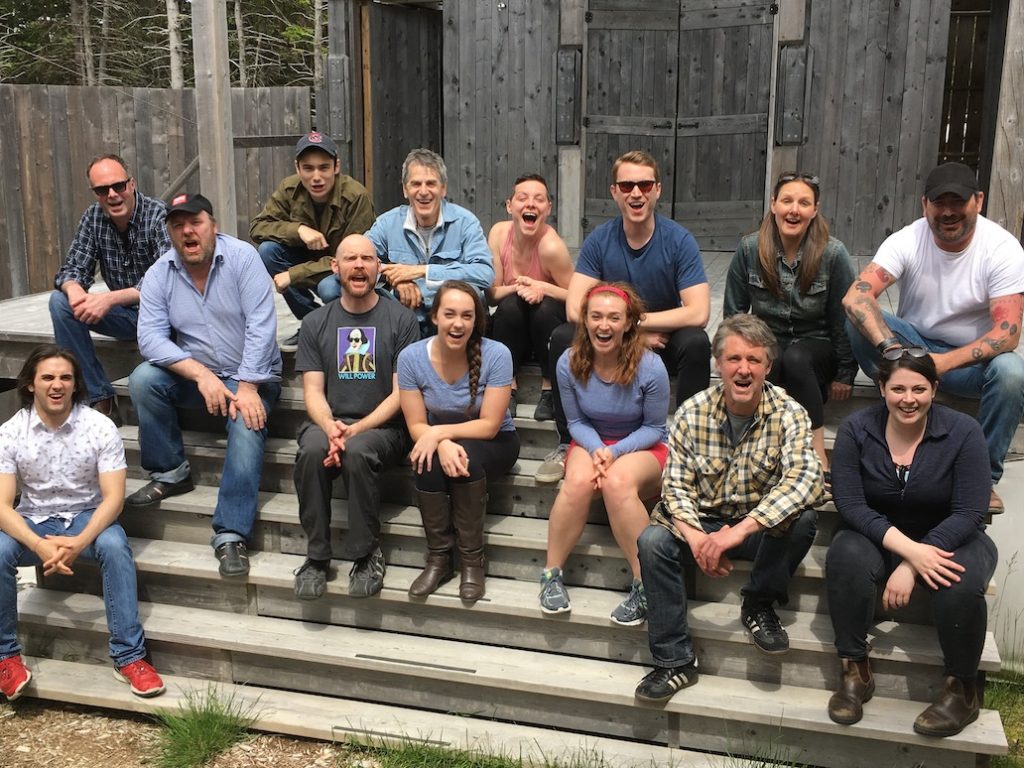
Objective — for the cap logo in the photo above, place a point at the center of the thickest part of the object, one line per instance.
(180, 199)
(315, 137)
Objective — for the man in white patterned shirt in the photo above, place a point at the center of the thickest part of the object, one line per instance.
(741, 482)
(71, 464)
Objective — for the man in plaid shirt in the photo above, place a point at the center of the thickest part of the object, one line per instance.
(741, 482)
(123, 233)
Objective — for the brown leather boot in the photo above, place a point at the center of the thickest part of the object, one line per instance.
(469, 505)
(435, 509)
(856, 687)
(955, 709)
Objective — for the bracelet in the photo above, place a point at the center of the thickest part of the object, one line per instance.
(888, 343)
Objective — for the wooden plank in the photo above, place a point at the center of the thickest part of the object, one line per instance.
(14, 279)
(717, 18)
(61, 139)
(1005, 198)
(37, 164)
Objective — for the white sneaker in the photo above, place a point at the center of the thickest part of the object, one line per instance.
(552, 469)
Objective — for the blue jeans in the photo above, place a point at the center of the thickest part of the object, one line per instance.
(663, 555)
(999, 384)
(120, 594)
(71, 333)
(278, 258)
(157, 394)
(329, 289)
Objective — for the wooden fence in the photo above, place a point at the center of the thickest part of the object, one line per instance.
(49, 133)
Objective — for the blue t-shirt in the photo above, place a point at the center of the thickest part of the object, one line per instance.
(669, 263)
(446, 403)
(634, 415)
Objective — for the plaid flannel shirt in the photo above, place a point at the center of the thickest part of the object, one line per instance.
(771, 475)
(98, 241)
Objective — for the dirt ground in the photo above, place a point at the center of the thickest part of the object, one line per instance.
(41, 734)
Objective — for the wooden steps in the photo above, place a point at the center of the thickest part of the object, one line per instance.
(719, 714)
(335, 719)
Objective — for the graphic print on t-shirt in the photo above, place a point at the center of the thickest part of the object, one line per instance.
(356, 350)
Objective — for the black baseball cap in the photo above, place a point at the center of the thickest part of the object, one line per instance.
(186, 203)
(955, 178)
(317, 140)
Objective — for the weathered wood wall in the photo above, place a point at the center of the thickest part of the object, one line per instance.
(1006, 191)
(499, 116)
(872, 130)
(48, 134)
(404, 94)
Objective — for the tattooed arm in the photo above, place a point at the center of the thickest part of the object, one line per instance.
(1003, 336)
(861, 303)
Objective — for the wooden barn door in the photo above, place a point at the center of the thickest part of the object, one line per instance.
(689, 82)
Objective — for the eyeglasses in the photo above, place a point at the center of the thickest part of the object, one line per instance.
(896, 353)
(625, 187)
(119, 187)
(809, 178)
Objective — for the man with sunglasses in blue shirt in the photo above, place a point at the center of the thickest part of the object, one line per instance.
(123, 232)
(962, 280)
(661, 260)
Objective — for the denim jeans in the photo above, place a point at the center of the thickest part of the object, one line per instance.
(999, 384)
(366, 456)
(157, 394)
(663, 555)
(120, 594)
(329, 289)
(71, 333)
(856, 567)
(278, 258)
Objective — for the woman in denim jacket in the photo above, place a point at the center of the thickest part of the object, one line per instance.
(792, 275)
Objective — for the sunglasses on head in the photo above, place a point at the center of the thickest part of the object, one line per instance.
(897, 352)
(118, 186)
(808, 178)
(625, 187)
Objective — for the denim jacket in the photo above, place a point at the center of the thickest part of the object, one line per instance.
(818, 314)
(458, 249)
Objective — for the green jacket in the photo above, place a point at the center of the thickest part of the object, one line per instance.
(348, 212)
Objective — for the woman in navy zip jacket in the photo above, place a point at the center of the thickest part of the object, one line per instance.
(911, 481)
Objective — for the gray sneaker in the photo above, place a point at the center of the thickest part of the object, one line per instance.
(552, 469)
(367, 575)
(554, 598)
(632, 610)
(310, 580)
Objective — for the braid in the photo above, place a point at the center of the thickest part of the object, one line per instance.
(473, 355)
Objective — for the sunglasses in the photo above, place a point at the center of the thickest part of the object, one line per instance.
(118, 186)
(809, 178)
(355, 338)
(625, 187)
(896, 353)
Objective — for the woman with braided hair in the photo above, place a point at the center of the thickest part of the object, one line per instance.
(455, 390)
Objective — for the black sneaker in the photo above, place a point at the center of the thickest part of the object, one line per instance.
(311, 580)
(367, 575)
(660, 684)
(764, 627)
(545, 410)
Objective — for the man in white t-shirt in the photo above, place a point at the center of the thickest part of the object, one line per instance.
(960, 298)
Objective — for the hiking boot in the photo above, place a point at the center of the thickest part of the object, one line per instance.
(632, 610)
(311, 579)
(234, 560)
(856, 687)
(552, 469)
(513, 403)
(545, 410)
(764, 627)
(660, 684)
(367, 575)
(955, 708)
(14, 676)
(142, 678)
(554, 598)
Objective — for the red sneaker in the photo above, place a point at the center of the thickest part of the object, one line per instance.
(14, 676)
(141, 676)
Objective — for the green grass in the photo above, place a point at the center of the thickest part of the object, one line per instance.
(203, 727)
(1005, 692)
(418, 755)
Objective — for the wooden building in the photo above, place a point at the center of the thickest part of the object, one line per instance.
(868, 95)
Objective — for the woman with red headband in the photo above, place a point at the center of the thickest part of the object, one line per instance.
(615, 392)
